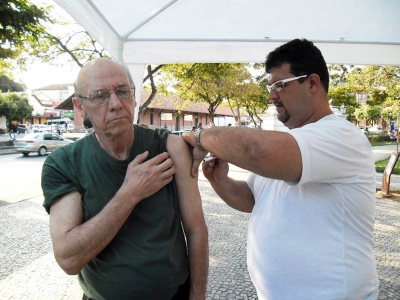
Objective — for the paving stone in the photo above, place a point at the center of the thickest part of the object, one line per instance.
(28, 270)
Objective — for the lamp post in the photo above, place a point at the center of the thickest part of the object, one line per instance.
(343, 111)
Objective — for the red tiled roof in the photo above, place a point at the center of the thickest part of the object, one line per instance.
(173, 102)
(56, 87)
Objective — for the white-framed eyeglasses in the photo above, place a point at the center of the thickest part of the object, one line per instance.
(279, 85)
(101, 97)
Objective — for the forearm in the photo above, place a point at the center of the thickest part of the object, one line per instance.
(198, 263)
(259, 151)
(82, 243)
(236, 194)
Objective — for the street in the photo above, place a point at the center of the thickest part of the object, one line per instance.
(28, 269)
(20, 177)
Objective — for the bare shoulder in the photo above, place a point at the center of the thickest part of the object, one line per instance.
(176, 144)
(180, 154)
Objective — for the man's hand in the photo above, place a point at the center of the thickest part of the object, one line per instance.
(146, 178)
(215, 170)
(197, 154)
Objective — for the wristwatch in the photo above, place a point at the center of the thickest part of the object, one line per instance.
(197, 139)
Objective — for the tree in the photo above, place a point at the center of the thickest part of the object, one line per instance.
(373, 113)
(380, 82)
(14, 106)
(256, 104)
(253, 97)
(361, 113)
(49, 39)
(20, 23)
(8, 85)
(339, 74)
(369, 113)
(343, 95)
(212, 83)
(390, 113)
(150, 76)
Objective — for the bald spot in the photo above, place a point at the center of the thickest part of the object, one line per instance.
(94, 67)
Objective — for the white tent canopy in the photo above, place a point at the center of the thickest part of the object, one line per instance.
(362, 32)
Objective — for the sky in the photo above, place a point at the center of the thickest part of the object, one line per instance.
(39, 74)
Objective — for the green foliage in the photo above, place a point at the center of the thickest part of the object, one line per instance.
(14, 106)
(379, 139)
(370, 113)
(344, 96)
(8, 85)
(380, 166)
(390, 113)
(20, 23)
(212, 83)
(43, 38)
(338, 74)
(361, 113)
(378, 81)
(373, 113)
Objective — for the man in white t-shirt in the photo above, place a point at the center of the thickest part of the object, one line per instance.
(311, 196)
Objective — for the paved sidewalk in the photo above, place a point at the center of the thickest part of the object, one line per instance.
(28, 270)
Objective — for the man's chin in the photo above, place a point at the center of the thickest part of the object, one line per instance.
(284, 118)
(117, 127)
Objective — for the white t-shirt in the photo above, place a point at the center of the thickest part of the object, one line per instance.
(314, 239)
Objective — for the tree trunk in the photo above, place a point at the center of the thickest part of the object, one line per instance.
(150, 73)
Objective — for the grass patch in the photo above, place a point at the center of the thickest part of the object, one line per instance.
(383, 143)
(380, 166)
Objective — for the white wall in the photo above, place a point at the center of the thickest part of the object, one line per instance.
(3, 123)
(224, 121)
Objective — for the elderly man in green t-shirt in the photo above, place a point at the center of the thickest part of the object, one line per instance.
(125, 214)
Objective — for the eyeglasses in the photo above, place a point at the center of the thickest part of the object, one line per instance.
(279, 85)
(101, 97)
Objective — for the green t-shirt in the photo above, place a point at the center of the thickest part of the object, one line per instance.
(147, 259)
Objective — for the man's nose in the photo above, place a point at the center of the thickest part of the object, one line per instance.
(273, 95)
(114, 99)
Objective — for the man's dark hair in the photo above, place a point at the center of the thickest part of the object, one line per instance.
(304, 59)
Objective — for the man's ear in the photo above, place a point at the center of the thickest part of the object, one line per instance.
(315, 82)
(78, 105)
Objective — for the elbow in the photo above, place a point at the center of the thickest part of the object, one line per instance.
(69, 266)
(248, 209)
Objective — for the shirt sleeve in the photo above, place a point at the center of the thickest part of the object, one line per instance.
(57, 179)
(332, 153)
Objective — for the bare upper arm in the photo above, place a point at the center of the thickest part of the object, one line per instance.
(189, 195)
(65, 214)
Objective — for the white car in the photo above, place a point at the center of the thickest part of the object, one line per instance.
(375, 130)
(40, 143)
(70, 127)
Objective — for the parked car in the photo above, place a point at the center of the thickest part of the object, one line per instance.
(70, 128)
(21, 128)
(41, 128)
(40, 143)
(375, 130)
